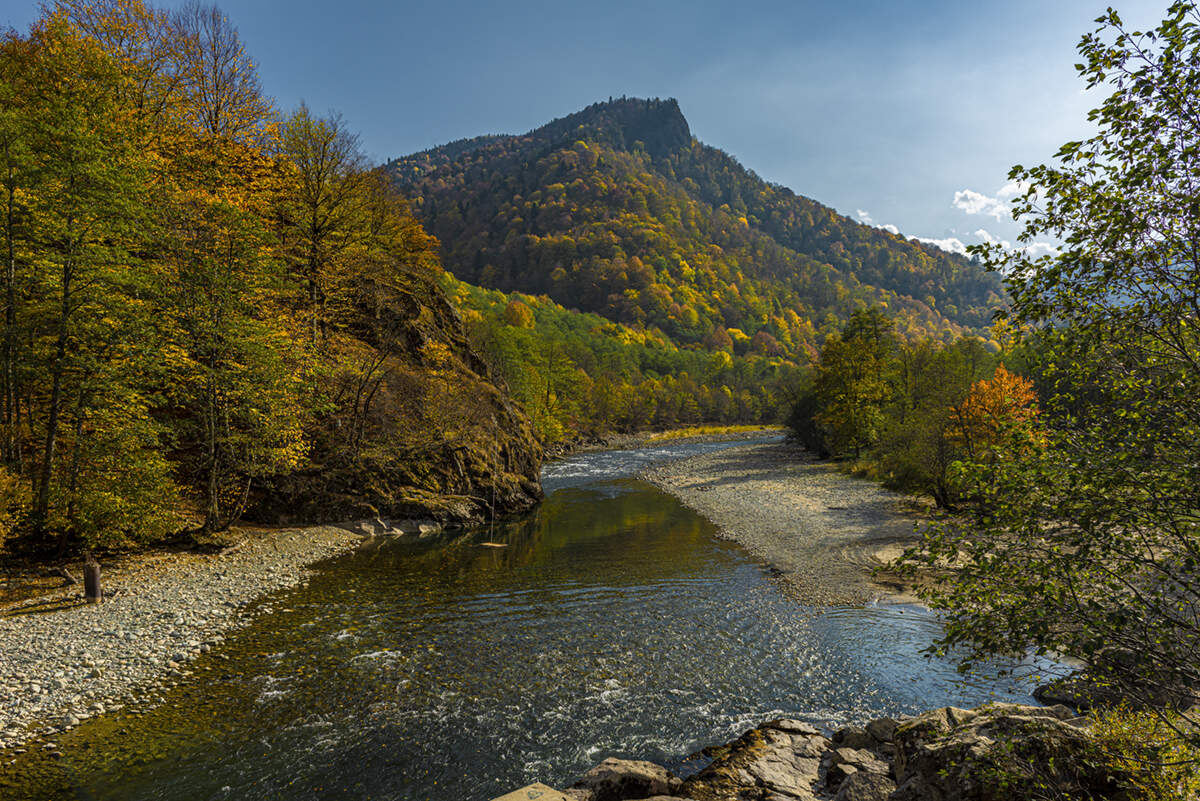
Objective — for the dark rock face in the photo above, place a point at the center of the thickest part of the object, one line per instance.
(658, 124)
(416, 427)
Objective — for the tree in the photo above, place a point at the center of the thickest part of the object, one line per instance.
(77, 291)
(322, 210)
(235, 397)
(850, 382)
(917, 450)
(990, 408)
(1090, 545)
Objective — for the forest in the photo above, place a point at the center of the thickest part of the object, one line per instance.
(582, 375)
(213, 308)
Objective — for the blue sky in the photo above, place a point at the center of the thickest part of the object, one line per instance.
(909, 112)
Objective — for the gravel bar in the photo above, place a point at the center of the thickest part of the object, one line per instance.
(63, 661)
(824, 531)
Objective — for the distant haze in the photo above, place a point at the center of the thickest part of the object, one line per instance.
(900, 113)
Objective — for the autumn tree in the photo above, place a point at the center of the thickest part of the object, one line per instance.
(322, 210)
(1087, 547)
(77, 291)
(991, 406)
(917, 450)
(235, 376)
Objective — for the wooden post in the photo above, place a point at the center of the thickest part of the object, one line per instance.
(91, 580)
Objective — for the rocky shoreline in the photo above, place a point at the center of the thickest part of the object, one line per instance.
(63, 661)
(825, 532)
(1000, 751)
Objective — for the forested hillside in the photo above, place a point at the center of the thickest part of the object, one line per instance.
(215, 309)
(618, 210)
(580, 374)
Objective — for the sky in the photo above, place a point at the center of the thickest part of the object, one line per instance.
(900, 113)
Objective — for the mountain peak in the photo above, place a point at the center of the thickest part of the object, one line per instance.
(657, 124)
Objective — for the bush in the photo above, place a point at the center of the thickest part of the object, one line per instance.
(1146, 750)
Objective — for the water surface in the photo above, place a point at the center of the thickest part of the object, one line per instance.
(613, 623)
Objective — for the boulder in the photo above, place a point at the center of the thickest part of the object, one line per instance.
(865, 787)
(624, 779)
(1002, 752)
(778, 760)
(534, 792)
(853, 737)
(882, 730)
(792, 726)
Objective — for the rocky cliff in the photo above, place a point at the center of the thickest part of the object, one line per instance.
(413, 424)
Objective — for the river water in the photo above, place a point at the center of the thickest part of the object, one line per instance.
(613, 623)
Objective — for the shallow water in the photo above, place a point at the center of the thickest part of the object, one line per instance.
(614, 623)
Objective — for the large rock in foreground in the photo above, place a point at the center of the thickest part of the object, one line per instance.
(778, 760)
(1000, 752)
(1003, 752)
(620, 779)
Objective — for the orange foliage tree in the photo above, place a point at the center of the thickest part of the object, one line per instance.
(990, 406)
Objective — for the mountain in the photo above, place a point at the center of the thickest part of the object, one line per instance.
(620, 211)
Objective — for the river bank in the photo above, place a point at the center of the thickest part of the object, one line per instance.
(825, 532)
(63, 660)
(646, 439)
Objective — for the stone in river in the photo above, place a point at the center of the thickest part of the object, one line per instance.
(538, 791)
(620, 779)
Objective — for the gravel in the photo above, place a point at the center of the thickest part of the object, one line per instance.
(824, 531)
(63, 661)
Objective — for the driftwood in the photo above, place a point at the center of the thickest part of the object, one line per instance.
(234, 548)
(66, 574)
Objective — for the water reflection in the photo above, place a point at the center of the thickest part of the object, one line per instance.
(612, 623)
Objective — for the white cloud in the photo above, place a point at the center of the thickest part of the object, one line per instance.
(865, 218)
(1032, 251)
(1013, 188)
(1040, 249)
(950, 244)
(991, 240)
(973, 202)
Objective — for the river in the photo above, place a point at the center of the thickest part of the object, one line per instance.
(613, 622)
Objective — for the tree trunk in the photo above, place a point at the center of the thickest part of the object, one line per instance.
(213, 511)
(10, 325)
(91, 580)
(42, 505)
